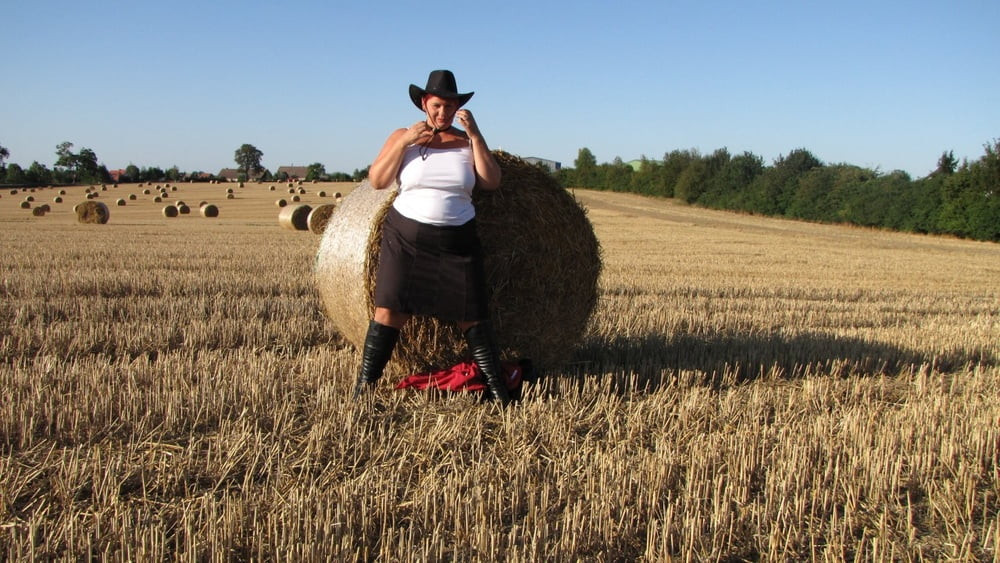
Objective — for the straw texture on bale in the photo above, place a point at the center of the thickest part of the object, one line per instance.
(319, 217)
(542, 263)
(92, 212)
(295, 217)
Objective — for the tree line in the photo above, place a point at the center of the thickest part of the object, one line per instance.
(960, 199)
(82, 167)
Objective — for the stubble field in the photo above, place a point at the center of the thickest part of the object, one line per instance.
(748, 389)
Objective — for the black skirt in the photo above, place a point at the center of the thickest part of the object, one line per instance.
(430, 270)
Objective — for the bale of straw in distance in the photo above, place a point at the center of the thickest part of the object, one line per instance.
(183, 209)
(209, 210)
(295, 217)
(542, 262)
(92, 212)
(38, 211)
(120, 202)
(170, 211)
(25, 205)
(281, 203)
(319, 217)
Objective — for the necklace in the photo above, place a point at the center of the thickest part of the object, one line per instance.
(424, 147)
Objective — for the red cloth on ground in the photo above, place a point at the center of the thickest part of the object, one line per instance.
(464, 376)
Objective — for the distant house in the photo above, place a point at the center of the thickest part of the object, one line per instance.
(116, 174)
(230, 174)
(294, 172)
(552, 165)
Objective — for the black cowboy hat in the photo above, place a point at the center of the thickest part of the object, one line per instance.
(440, 83)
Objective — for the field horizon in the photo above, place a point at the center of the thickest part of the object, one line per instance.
(749, 388)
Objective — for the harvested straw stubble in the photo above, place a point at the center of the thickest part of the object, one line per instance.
(295, 217)
(319, 217)
(542, 262)
(92, 212)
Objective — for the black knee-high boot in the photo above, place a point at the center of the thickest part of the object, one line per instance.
(379, 343)
(483, 347)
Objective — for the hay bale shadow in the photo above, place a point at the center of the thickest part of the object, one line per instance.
(650, 361)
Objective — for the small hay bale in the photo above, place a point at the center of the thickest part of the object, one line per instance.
(337, 195)
(209, 211)
(157, 199)
(281, 203)
(291, 190)
(146, 191)
(29, 198)
(321, 193)
(296, 198)
(169, 211)
(57, 199)
(46, 207)
(295, 217)
(92, 213)
(62, 192)
(302, 191)
(180, 202)
(132, 197)
(25, 204)
(229, 190)
(183, 209)
(173, 188)
(271, 189)
(38, 211)
(230, 196)
(542, 262)
(13, 192)
(120, 202)
(319, 217)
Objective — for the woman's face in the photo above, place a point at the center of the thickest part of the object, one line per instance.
(440, 111)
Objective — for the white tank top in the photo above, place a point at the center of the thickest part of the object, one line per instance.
(437, 189)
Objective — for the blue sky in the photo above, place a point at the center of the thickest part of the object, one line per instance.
(887, 85)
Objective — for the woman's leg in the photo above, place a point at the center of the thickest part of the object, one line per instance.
(383, 333)
(485, 353)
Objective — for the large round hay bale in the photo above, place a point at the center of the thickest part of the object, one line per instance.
(209, 210)
(92, 212)
(169, 211)
(542, 263)
(319, 217)
(120, 202)
(183, 209)
(26, 205)
(295, 217)
(38, 211)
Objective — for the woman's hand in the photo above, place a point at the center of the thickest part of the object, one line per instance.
(417, 133)
(468, 122)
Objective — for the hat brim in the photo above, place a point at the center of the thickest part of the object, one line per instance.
(417, 95)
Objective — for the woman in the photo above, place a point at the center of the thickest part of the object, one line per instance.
(430, 260)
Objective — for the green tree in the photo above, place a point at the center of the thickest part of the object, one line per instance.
(316, 171)
(4, 155)
(13, 174)
(585, 169)
(38, 174)
(360, 174)
(248, 160)
(132, 173)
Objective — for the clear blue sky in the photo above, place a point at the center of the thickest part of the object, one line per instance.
(882, 84)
